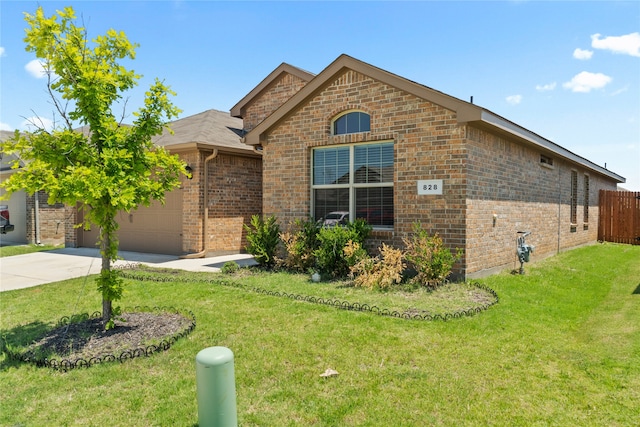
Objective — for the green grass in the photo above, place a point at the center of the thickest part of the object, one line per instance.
(25, 249)
(561, 348)
(446, 300)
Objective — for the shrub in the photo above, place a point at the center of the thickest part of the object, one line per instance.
(354, 253)
(230, 267)
(380, 272)
(330, 256)
(361, 229)
(263, 238)
(429, 257)
(300, 245)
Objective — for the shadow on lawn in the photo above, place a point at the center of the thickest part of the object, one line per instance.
(637, 291)
(19, 337)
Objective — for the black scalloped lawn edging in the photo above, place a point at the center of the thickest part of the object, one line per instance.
(66, 364)
(344, 305)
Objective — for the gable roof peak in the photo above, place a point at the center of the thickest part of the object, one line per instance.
(284, 68)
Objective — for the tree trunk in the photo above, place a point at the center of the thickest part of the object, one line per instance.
(106, 267)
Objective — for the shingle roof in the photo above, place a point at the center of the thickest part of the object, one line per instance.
(212, 127)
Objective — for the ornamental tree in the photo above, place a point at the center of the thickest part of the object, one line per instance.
(91, 158)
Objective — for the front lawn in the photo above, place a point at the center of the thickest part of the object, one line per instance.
(25, 249)
(562, 347)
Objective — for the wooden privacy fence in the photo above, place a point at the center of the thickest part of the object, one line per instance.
(619, 217)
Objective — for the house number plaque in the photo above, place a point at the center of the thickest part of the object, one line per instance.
(430, 186)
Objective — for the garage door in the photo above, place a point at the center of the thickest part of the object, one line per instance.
(153, 229)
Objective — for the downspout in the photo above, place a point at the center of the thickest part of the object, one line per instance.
(36, 216)
(205, 220)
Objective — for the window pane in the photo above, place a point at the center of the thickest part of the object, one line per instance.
(375, 205)
(331, 166)
(340, 126)
(373, 163)
(387, 163)
(330, 200)
(365, 122)
(352, 123)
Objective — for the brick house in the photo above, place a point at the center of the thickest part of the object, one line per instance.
(208, 142)
(222, 195)
(360, 139)
(226, 189)
(35, 220)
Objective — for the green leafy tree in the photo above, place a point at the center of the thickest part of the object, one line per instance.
(105, 165)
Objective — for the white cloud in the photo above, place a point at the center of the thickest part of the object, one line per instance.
(36, 69)
(547, 87)
(514, 99)
(6, 126)
(621, 90)
(585, 81)
(627, 45)
(582, 54)
(31, 124)
(2, 51)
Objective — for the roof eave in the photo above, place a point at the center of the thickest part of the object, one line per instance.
(198, 146)
(256, 135)
(465, 111)
(502, 125)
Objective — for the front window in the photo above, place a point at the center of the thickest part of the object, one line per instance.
(357, 179)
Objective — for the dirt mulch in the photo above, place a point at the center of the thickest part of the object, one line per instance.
(87, 339)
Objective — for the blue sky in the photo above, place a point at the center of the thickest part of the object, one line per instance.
(568, 71)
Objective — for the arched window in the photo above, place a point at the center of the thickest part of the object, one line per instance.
(352, 122)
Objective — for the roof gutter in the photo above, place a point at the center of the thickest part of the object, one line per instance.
(205, 220)
(511, 128)
(190, 146)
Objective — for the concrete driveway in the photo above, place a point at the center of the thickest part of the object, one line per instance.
(24, 271)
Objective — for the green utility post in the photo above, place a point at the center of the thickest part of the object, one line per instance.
(216, 388)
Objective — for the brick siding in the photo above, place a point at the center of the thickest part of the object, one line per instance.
(235, 190)
(483, 175)
(193, 202)
(276, 94)
(52, 220)
(507, 179)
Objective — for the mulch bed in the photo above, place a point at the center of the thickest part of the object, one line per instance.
(87, 339)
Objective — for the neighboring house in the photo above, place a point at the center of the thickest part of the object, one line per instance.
(360, 139)
(226, 189)
(34, 219)
(222, 195)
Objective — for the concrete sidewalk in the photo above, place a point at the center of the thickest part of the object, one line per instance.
(24, 271)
